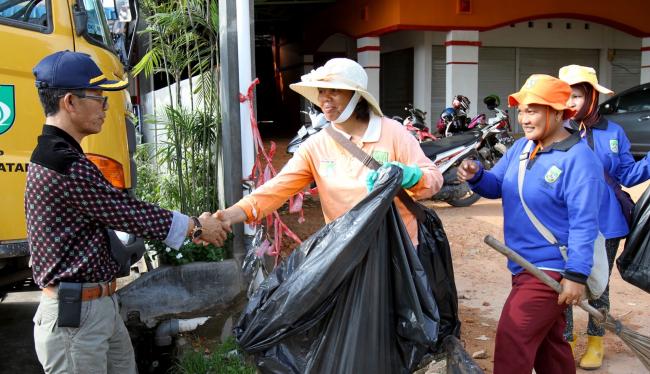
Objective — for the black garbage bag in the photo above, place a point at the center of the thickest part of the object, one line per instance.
(634, 262)
(435, 255)
(353, 298)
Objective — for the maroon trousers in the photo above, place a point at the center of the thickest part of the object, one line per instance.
(530, 331)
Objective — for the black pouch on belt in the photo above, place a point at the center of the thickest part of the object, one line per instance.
(69, 304)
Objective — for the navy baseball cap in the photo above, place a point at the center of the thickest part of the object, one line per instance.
(73, 71)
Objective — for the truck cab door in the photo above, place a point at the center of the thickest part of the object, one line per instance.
(29, 30)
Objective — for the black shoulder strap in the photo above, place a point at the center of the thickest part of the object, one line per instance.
(371, 163)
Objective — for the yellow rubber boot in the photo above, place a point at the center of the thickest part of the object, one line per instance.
(572, 343)
(593, 357)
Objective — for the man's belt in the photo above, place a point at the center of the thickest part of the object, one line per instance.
(89, 291)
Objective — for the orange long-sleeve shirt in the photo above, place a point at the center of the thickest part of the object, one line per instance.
(341, 178)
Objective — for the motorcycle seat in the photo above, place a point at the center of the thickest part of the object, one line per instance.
(431, 149)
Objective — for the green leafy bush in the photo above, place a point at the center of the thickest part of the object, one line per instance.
(227, 358)
(190, 252)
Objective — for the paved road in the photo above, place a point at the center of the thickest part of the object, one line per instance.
(17, 353)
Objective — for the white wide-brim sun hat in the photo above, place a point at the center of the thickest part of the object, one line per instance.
(337, 73)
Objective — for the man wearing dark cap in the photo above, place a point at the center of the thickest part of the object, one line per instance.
(69, 207)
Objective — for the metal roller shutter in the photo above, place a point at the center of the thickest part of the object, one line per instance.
(439, 71)
(626, 69)
(496, 75)
(550, 60)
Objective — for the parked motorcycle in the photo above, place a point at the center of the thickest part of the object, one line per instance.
(316, 123)
(447, 154)
(416, 124)
(497, 140)
(486, 142)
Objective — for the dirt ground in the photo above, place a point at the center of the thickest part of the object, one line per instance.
(483, 281)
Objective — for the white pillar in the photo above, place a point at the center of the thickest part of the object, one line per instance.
(245, 79)
(244, 46)
(368, 56)
(604, 71)
(645, 60)
(462, 66)
(422, 70)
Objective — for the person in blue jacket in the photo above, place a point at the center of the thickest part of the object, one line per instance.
(563, 190)
(609, 142)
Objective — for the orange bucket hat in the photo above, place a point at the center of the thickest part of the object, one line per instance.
(574, 74)
(544, 89)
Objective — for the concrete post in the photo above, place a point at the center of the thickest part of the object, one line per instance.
(462, 66)
(368, 56)
(230, 167)
(422, 71)
(645, 60)
(246, 55)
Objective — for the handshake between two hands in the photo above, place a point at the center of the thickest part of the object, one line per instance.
(215, 227)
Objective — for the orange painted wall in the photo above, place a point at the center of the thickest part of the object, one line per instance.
(346, 16)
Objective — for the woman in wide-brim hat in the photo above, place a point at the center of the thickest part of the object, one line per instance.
(339, 88)
(610, 143)
(561, 188)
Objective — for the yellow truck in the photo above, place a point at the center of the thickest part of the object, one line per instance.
(30, 30)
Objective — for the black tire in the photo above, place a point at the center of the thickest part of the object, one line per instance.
(466, 201)
(471, 197)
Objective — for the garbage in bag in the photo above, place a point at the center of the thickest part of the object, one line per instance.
(353, 298)
(634, 262)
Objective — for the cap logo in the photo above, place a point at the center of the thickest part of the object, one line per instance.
(7, 107)
(531, 82)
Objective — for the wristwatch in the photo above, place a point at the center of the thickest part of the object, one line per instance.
(197, 231)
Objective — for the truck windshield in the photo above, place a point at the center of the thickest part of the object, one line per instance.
(32, 12)
(97, 26)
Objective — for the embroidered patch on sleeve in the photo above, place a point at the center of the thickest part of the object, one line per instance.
(552, 174)
(613, 145)
(326, 168)
(380, 156)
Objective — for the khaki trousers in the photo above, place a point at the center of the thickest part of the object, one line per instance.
(100, 344)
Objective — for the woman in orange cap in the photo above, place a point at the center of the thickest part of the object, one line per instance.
(549, 172)
(608, 140)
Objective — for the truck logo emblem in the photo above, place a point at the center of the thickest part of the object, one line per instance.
(7, 107)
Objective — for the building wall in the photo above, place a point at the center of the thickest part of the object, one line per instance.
(358, 18)
(508, 53)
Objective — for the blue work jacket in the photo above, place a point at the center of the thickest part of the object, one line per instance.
(563, 189)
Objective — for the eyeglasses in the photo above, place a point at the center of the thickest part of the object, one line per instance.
(103, 99)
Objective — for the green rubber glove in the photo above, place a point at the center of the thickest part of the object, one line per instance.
(410, 174)
(371, 178)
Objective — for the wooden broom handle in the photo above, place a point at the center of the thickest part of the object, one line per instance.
(557, 287)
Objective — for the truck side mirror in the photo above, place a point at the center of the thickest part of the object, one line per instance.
(80, 19)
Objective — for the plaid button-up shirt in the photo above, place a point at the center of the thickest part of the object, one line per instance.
(69, 205)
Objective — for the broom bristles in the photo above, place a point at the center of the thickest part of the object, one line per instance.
(639, 344)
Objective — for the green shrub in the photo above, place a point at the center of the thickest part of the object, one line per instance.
(227, 358)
